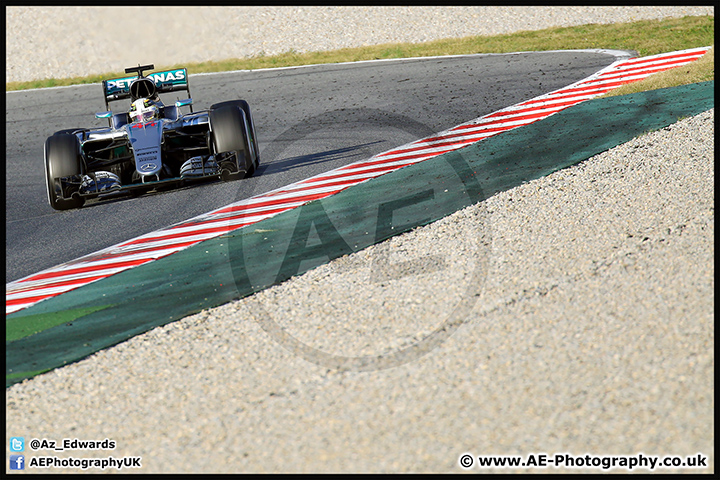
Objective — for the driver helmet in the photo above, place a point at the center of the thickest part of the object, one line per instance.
(143, 110)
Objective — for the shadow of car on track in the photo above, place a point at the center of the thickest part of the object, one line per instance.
(343, 155)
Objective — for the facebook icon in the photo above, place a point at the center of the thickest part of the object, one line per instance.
(17, 462)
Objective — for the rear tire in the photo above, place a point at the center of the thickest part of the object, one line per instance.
(245, 107)
(230, 132)
(62, 159)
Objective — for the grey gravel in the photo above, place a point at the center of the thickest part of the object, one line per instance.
(59, 42)
(590, 331)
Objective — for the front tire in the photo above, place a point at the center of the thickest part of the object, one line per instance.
(230, 133)
(62, 160)
(245, 107)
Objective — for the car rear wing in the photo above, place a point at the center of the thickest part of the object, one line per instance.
(167, 81)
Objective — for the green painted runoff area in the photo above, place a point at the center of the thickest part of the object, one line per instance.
(69, 327)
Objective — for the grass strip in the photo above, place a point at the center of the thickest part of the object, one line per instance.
(21, 327)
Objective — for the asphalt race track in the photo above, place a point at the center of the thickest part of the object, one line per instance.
(308, 120)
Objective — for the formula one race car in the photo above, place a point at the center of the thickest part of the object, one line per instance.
(150, 145)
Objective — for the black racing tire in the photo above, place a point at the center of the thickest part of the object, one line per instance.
(242, 104)
(62, 159)
(230, 132)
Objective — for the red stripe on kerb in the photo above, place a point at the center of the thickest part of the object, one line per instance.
(361, 172)
(651, 66)
(200, 231)
(208, 226)
(156, 248)
(531, 109)
(438, 141)
(240, 213)
(307, 198)
(77, 271)
(692, 53)
(67, 283)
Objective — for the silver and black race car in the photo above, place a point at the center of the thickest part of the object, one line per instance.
(150, 145)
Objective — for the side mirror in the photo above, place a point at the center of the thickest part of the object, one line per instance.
(183, 103)
(103, 115)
